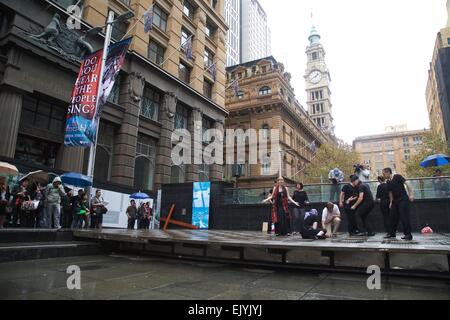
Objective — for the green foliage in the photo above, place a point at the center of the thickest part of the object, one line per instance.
(432, 144)
(329, 157)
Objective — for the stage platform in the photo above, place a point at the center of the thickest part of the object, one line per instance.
(424, 256)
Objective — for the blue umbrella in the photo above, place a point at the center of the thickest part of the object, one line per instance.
(140, 196)
(437, 160)
(77, 180)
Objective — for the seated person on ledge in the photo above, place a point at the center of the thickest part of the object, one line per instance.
(331, 219)
(310, 228)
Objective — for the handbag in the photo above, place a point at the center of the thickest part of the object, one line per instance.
(103, 210)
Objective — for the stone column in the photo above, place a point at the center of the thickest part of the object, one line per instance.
(10, 110)
(217, 170)
(195, 129)
(126, 139)
(164, 149)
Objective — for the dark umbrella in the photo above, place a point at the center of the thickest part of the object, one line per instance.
(77, 180)
(437, 160)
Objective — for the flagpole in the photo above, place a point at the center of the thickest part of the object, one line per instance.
(139, 20)
(171, 55)
(226, 88)
(206, 70)
(93, 148)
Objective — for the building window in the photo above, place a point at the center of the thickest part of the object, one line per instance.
(125, 2)
(204, 173)
(265, 168)
(103, 158)
(181, 117)
(214, 4)
(150, 104)
(184, 73)
(208, 59)
(240, 95)
(185, 35)
(156, 53)
(210, 30)
(207, 88)
(43, 115)
(188, 9)
(406, 142)
(160, 18)
(144, 164)
(316, 95)
(265, 131)
(115, 92)
(417, 141)
(119, 29)
(265, 91)
(315, 56)
(177, 174)
(36, 151)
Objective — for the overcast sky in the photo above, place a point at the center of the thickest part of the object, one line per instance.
(378, 53)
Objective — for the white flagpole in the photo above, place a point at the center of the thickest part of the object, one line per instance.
(226, 88)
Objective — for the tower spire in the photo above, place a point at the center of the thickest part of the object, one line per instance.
(314, 36)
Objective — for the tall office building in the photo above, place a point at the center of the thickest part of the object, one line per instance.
(233, 19)
(255, 34)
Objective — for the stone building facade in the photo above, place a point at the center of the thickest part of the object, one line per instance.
(438, 86)
(159, 89)
(388, 150)
(266, 101)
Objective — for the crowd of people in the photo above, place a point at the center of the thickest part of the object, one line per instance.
(33, 205)
(141, 214)
(355, 200)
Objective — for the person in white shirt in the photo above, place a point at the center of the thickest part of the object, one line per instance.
(331, 219)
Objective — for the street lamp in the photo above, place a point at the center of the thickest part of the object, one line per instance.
(109, 26)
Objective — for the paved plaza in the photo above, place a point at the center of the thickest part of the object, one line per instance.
(142, 278)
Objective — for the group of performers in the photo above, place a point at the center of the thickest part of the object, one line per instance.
(356, 200)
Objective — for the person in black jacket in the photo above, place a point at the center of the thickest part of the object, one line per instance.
(384, 201)
(363, 207)
(301, 197)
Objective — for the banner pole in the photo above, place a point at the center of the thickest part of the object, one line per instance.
(93, 148)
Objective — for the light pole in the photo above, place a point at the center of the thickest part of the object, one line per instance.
(109, 26)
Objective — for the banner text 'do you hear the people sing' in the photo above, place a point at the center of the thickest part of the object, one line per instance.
(85, 106)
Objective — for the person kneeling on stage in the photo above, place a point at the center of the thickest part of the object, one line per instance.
(310, 228)
(331, 219)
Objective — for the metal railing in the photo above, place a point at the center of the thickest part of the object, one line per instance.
(424, 188)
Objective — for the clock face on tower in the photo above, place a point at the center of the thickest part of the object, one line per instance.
(315, 76)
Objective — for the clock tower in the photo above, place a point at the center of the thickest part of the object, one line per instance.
(318, 84)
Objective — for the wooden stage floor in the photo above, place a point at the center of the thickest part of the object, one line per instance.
(428, 254)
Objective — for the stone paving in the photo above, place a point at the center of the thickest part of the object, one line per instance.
(142, 278)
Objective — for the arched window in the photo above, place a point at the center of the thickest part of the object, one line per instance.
(177, 174)
(266, 166)
(204, 173)
(240, 95)
(144, 170)
(144, 163)
(102, 164)
(265, 91)
(265, 130)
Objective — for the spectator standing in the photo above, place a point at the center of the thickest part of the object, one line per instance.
(52, 204)
(21, 193)
(98, 209)
(132, 214)
(336, 177)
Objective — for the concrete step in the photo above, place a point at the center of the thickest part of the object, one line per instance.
(45, 250)
(35, 235)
